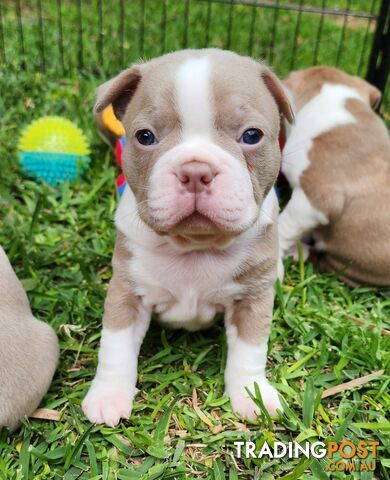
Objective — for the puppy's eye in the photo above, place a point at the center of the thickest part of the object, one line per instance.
(251, 136)
(146, 137)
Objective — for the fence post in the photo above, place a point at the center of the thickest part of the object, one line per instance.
(379, 63)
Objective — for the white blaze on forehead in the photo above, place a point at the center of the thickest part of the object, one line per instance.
(193, 97)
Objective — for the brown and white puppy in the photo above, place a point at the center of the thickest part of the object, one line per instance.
(337, 160)
(28, 351)
(197, 222)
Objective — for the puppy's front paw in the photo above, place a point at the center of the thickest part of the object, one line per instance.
(293, 252)
(107, 404)
(280, 269)
(245, 406)
(285, 247)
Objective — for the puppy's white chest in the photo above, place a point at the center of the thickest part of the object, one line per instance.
(186, 290)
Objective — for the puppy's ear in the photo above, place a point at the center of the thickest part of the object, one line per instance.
(277, 91)
(118, 91)
(374, 96)
(292, 80)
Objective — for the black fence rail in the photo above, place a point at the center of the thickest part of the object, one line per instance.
(65, 37)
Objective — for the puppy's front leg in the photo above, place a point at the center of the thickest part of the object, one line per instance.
(298, 218)
(125, 323)
(247, 331)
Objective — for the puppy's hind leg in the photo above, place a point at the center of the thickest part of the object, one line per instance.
(298, 218)
(125, 323)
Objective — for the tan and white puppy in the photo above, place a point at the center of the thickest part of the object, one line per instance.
(197, 222)
(28, 351)
(337, 160)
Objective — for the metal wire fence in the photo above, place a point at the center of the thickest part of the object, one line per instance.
(65, 37)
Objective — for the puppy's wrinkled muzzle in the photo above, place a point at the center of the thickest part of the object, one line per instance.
(200, 177)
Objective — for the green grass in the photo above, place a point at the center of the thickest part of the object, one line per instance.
(60, 242)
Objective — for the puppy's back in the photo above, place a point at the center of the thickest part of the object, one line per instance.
(348, 176)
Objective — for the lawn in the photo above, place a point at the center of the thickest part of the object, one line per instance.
(60, 242)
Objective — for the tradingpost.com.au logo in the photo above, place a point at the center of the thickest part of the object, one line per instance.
(342, 457)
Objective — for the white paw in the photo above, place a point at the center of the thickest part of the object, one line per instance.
(294, 252)
(284, 247)
(108, 404)
(245, 406)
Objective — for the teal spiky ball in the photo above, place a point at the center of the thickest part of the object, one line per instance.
(53, 149)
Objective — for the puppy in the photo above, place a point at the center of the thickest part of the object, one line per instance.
(28, 351)
(337, 160)
(197, 222)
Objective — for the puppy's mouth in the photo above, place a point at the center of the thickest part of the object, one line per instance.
(199, 231)
(197, 225)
